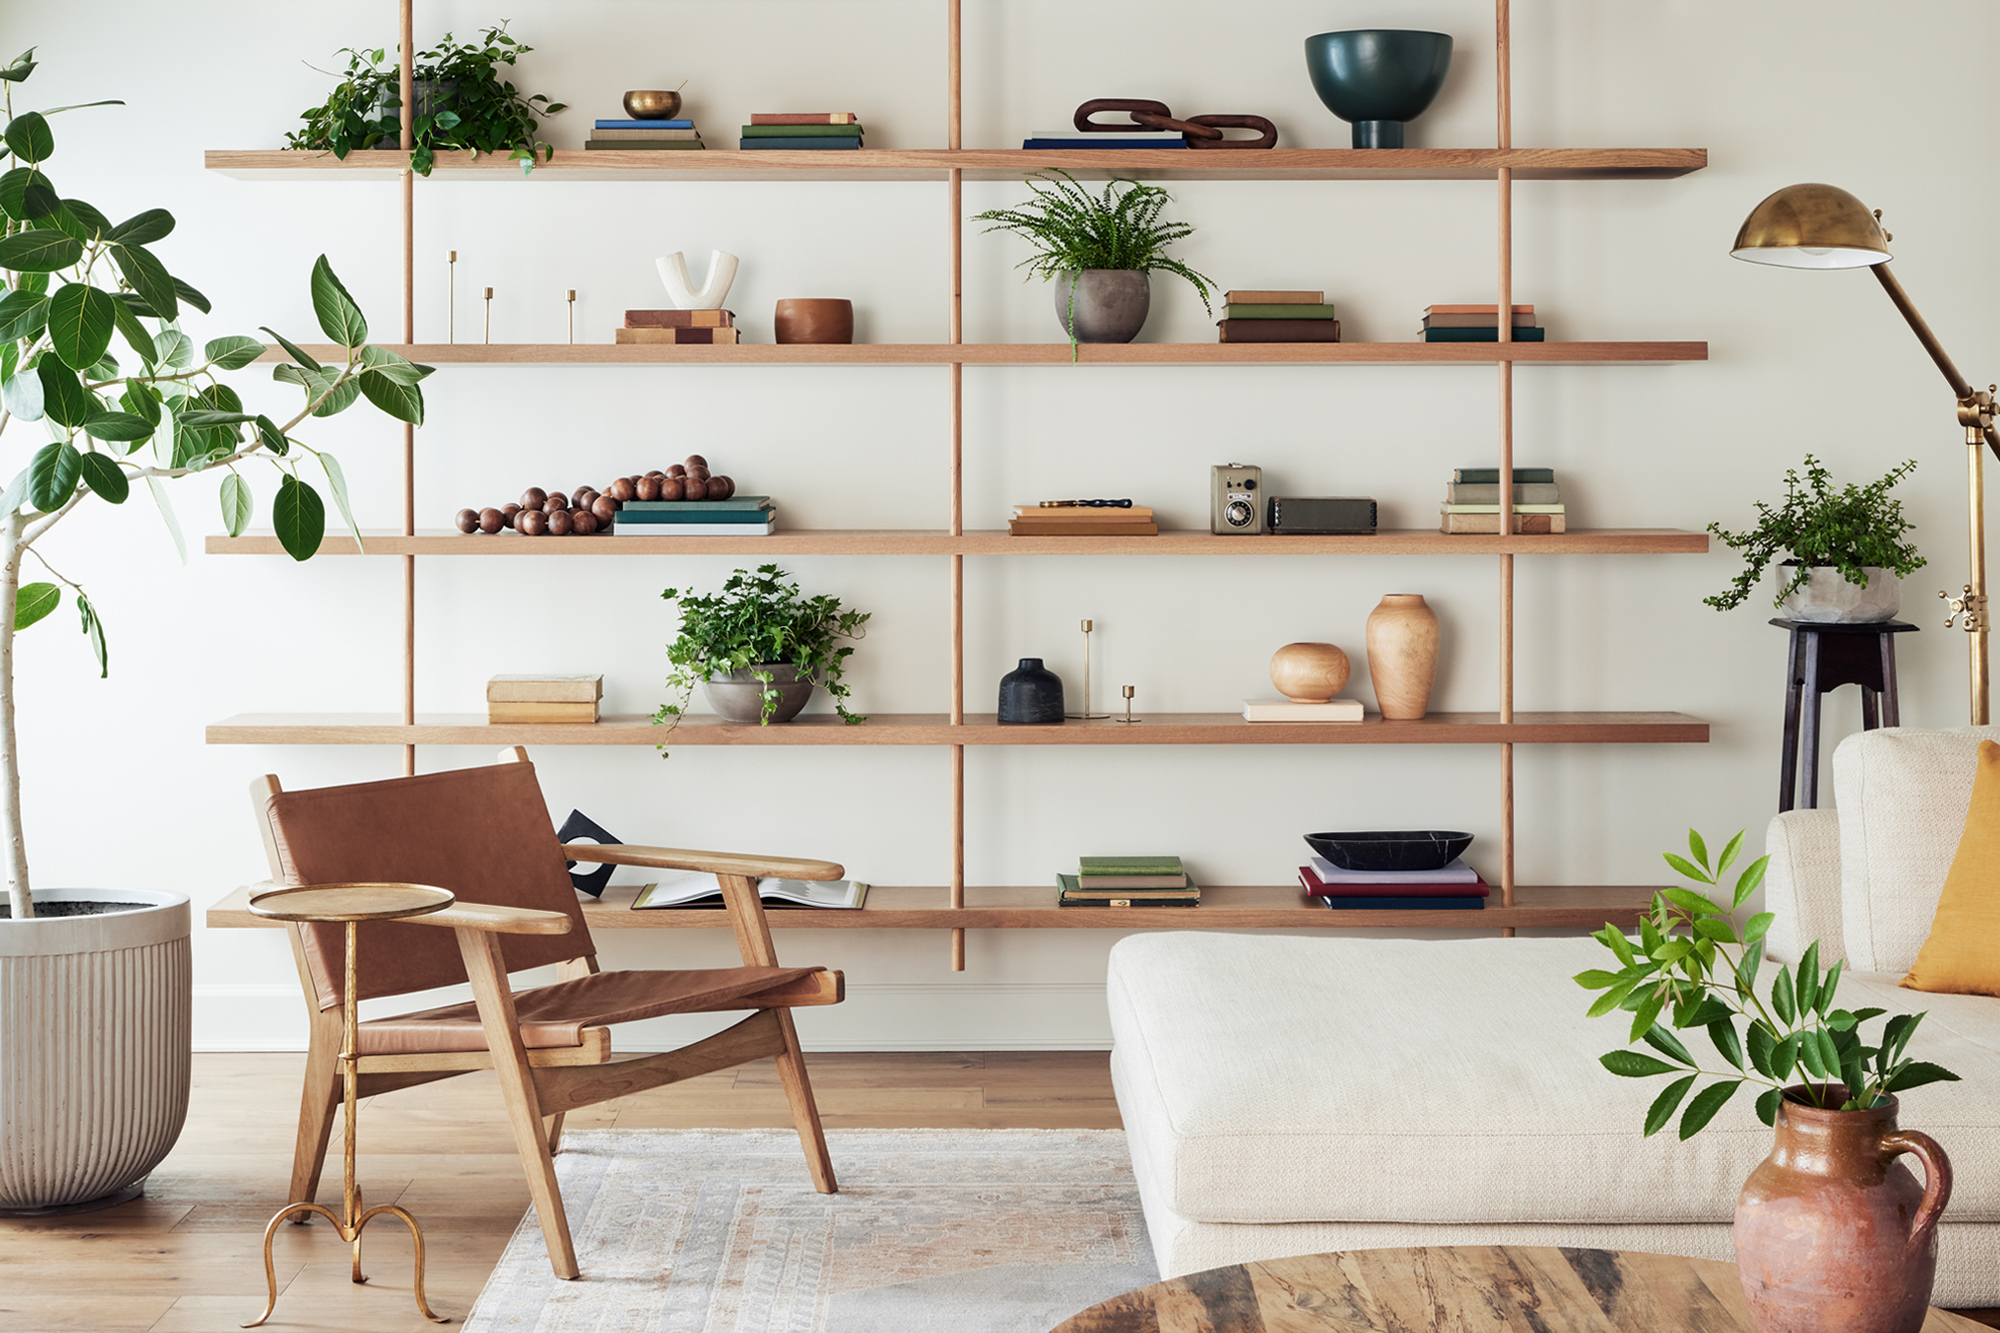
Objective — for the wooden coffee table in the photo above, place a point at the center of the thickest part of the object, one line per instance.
(1451, 1289)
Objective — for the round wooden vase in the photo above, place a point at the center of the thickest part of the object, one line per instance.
(1403, 655)
(1309, 673)
(813, 320)
(1833, 1233)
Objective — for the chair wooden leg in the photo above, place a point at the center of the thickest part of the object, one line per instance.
(553, 1124)
(488, 974)
(805, 1112)
(317, 1104)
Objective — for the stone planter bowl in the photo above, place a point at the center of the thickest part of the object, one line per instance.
(1111, 303)
(738, 697)
(1826, 598)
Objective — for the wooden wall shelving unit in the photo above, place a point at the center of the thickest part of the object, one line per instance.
(956, 906)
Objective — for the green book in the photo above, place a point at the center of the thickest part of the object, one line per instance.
(1494, 509)
(1068, 894)
(1490, 476)
(642, 145)
(1240, 311)
(1129, 865)
(802, 131)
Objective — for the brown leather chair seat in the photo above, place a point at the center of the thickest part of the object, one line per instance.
(555, 1016)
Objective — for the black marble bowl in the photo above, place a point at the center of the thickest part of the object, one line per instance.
(1414, 849)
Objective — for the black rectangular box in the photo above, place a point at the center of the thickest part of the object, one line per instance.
(1321, 515)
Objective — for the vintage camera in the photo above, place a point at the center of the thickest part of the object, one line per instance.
(1235, 505)
(1320, 515)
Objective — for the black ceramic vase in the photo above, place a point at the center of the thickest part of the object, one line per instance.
(1378, 78)
(1031, 695)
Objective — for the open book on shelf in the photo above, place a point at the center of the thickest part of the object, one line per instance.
(704, 891)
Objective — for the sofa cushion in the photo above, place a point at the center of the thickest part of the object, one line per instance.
(1279, 1079)
(1959, 954)
(1903, 794)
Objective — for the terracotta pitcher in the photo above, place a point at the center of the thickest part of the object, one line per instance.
(1833, 1234)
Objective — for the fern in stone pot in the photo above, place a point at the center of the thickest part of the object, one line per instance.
(1846, 549)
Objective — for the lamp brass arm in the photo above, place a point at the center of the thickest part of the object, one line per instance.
(1972, 413)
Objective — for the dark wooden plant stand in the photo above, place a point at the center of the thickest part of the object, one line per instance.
(1824, 657)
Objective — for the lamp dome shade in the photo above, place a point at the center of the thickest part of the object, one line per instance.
(1812, 226)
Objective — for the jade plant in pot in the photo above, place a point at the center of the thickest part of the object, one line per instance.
(1832, 1232)
(1098, 251)
(1847, 553)
(760, 649)
(107, 399)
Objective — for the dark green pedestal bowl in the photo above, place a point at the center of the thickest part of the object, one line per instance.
(1378, 78)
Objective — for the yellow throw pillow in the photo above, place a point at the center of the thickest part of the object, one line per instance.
(1962, 955)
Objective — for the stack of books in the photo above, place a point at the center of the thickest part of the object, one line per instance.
(1477, 324)
(1137, 137)
(1284, 710)
(1457, 886)
(678, 326)
(543, 698)
(1127, 881)
(1472, 501)
(1077, 521)
(651, 135)
(1278, 317)
(809, 130)
(738, 516)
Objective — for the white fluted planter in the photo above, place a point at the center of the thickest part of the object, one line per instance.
(94, 1048)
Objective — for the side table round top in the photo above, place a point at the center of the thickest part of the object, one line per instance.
(1461, 1288)
(351, 902)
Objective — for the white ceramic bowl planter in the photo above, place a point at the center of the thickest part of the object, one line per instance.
(94, 1048)
(1826, 597)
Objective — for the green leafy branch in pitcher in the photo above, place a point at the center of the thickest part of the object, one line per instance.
(1692, 967)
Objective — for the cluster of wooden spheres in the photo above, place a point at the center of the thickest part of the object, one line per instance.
(588, 510)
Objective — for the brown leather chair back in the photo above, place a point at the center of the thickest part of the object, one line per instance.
(483, 833)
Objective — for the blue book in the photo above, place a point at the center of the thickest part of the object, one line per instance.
(1521, 335)
(836, 144)
(1097, 141)
(645, 124)
(1411, 904)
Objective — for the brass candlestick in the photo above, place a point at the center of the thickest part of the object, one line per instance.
(451, 296)
(489, 314)
(570, 297)
(1086, 715)
(1128, 719)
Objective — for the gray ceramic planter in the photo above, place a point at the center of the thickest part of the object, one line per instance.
(1111, 303)
(738, 697)
(1826, 598)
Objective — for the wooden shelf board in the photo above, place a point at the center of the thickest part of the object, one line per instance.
(979, 729)
(1230, 907)
(930, 164)
(1028, 354)
(918, 541)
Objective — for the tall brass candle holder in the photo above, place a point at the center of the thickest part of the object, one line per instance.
(451, 296)
(569, 298)
(1086, 715)
(489, 314)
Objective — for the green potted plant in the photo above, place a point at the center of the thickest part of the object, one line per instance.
(463, 101)
(759, 648)
(1829, 1232)
(1855, 533)
(93, 426)
(1098, 250)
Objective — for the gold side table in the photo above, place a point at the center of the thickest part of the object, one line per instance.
(349, 904)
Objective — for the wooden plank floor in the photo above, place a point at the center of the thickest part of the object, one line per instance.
(185, 1259)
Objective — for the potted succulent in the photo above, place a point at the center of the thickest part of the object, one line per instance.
(1830, 1231)
(1099, 251)
(95, 1062)
(464, 101)
(1847, 548)
(760, 649)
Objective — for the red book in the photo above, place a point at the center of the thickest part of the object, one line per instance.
(679, 319)
(805, 118)
(1319, 888)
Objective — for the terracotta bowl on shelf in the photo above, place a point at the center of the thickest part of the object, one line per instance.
(811, 320)
(1414, 849)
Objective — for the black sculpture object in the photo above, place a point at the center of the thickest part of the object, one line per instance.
(1031, 695)
(580, 825)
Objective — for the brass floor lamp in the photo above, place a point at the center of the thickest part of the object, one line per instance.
(1819, 226)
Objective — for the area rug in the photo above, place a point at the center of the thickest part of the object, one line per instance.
(719, 1231)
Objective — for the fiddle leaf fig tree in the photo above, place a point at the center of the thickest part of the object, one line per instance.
(92, 353)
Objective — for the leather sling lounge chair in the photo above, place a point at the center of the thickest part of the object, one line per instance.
(484, 834)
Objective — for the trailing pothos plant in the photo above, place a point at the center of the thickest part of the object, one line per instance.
(756, 622)
(463, 101)
(1682, 969)
(1850, 530)
(74, 282)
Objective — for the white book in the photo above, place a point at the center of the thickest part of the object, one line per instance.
(1284, 710)
(1458, 872)
(693, 529)
(706, 891)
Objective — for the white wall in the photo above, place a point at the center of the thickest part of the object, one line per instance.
(121, 789)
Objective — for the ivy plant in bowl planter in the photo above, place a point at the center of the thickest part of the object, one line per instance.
(464, 101)
(760, 648)
(1856, 532)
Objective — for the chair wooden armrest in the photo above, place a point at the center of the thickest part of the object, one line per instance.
(709, 863)
(495, 920)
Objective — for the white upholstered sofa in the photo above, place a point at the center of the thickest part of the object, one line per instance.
(1292, 1095)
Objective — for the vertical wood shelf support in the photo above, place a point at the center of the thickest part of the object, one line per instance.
(1503, 58)
(408, 140)
(955, 188)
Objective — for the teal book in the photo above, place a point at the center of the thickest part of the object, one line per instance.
(642, 145)
(1239, 310)
(1129, 865)
(1480, 335)
(1490, 476)
(708, 506)
(802, 131)
(1488, 493)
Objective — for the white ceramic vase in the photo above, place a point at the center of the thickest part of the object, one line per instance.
(1827, 598)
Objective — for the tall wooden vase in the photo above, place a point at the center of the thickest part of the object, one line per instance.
(1403, 655)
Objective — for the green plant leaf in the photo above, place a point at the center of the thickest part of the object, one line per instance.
(39, 251)
(1634, 1064)
(1785, 1058)
(237, 504)
(1667, 1044)
(26, 194)
(1809, 1055)
(176, 349)
(1698, 852)
(1729, 854)
(340, 399)
(23, 66)
(35, 601)
(1611, 999)
(233, 353)
(1596, 979)
(52, 476)
(155, 224)
(381, 361)
(1647, 1014)
(1805, 982)
(1759, 1044)
(1704, 1106)
(93, 629)
(1723, 1034)
(1824, 1000)
(1916, 1074)
(147, 276)
(1690, 901)
(29, 137)
(297, 353)
(1748, 882)
(81, 319)
(63, 396)
(118, 427)
(135, 333)
(1614, 940)
(190, 295)
(1829, 1052)
(22, 315)
(1757, 927)
(405, 402)
(339, 317)
(1666, 1104)
(1683, 866)
(23, 396)
(1767, 1105)
(1716, 928)
(299, 516)
(1782, 996)
(105, 478)
(166, 506)
(337, 482)
(93, 224)
(271, 437)
(205, 418)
